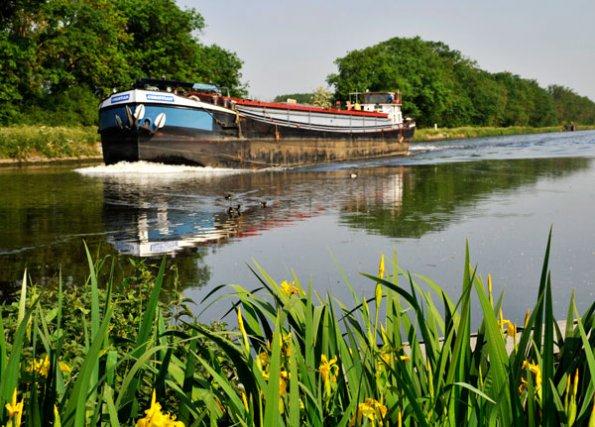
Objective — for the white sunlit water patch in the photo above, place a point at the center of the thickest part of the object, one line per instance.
(148, 172)
(149, 168)
(425, 147)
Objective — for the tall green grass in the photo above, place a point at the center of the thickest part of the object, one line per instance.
(404, 355)
(27, 142)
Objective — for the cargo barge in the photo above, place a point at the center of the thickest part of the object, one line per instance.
(187, 123)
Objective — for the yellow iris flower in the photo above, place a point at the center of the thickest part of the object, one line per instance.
(64, 367)
(371, 409)
(510, 327)
(263, 360)
(286, 344)
(329, 371)
(289, 289)
(40, 366)
(283, 379)
(15, 410)
(155, 418)
(536, 371)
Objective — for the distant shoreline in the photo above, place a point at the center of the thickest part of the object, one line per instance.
(467, 132)
(22, 145)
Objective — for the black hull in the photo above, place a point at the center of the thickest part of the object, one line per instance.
(179, 146)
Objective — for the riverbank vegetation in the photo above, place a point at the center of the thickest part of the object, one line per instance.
(440, 85)
(120, 353)
(439, 134)
(30, 143)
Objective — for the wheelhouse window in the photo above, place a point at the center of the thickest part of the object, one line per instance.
(378, 98)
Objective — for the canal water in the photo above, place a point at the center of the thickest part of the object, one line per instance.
(324, 223)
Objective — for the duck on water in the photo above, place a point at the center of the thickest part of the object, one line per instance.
(191, 123)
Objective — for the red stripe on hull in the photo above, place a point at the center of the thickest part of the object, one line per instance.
(296, 107)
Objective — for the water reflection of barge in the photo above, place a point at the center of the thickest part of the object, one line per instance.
(176, 122)
(148, 219)
(146, 226)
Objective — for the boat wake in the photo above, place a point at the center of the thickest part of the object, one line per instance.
(426, 147)
(132, 171)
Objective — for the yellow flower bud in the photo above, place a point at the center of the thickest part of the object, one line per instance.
(381, 267)
(245, 400)
(490, 289)
(243, 331)
(378, 295)
(57, 421)
(511, 329)
(527, 317)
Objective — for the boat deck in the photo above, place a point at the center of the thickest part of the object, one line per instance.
(308, 108)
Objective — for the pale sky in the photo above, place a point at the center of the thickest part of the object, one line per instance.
(290, 46)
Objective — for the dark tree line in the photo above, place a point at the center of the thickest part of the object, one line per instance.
(439, 85)
(59, 57)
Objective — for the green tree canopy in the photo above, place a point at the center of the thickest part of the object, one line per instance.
(61, 56)
(439, 85)
(571, 107)
(301, 98)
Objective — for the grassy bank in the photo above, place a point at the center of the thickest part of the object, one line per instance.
(112, 354)
(430, 134)
(26, 143)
